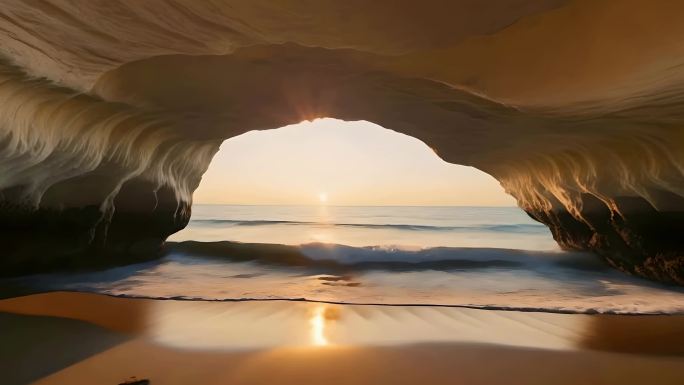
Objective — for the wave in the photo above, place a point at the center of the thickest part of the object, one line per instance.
(481, 278)
(337, 258)
(516, 228)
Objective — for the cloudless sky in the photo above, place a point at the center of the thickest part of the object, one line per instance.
(343, 163)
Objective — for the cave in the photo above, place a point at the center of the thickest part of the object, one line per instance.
(108, 123)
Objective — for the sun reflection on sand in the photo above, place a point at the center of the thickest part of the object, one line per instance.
(317, 321)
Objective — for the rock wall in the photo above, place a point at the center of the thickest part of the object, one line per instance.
(110, 111)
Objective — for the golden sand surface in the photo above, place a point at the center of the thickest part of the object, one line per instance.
(81, 338)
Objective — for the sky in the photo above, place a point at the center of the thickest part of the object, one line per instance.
(330, 161)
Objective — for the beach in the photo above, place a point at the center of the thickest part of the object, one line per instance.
(82, 338)
(342, 192)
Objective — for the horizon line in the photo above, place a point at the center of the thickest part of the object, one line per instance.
(345, 205)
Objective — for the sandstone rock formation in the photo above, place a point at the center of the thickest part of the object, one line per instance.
(110, 111)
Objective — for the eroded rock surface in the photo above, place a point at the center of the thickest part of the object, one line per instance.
(111, 110)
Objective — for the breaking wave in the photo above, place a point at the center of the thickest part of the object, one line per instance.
(482, 278)
(340, 257)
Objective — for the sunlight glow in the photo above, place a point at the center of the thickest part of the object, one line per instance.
(330, 161)
(318, 327)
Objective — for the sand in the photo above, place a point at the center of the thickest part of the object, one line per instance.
(79, 338)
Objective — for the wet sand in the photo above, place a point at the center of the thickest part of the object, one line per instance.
(78, 338)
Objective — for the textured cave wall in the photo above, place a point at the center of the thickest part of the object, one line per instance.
(86, 182)
(576, 107)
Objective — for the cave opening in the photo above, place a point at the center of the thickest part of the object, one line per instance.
(352, 183)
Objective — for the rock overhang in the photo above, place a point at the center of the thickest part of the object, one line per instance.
(549, 97)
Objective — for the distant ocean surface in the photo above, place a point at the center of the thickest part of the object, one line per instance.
(483, 257)
(400, 226)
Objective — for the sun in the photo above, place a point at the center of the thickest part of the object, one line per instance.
(323, 197)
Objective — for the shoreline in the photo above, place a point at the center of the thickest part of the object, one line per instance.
(343, 303)
(471, 307)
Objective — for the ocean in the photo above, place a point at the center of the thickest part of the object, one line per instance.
(403, 227)
(479, 257)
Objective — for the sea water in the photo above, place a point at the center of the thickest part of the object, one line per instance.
(406, 227)
(482, 257)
